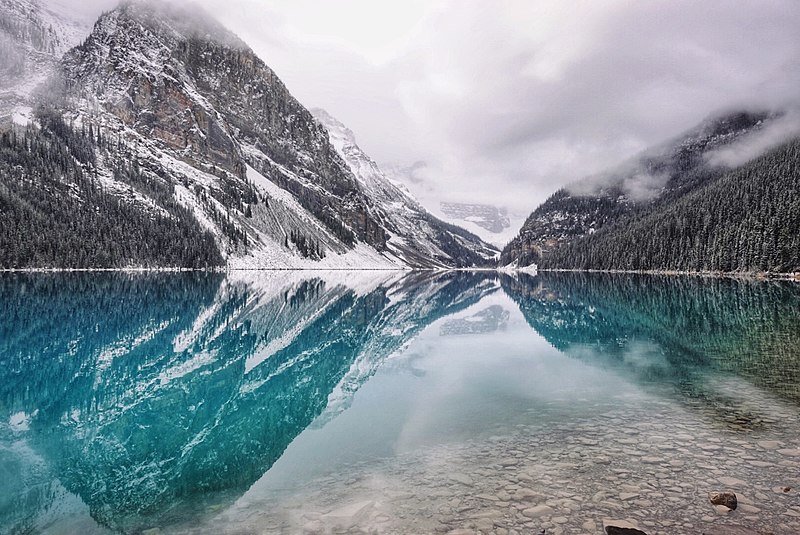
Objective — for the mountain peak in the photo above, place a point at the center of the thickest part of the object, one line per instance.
(184, 20)
(340, 135)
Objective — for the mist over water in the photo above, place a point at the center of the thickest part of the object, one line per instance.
(394, 403)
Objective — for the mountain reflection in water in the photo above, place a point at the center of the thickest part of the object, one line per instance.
(160, 399)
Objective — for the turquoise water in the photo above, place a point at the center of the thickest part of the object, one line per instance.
(292, 402)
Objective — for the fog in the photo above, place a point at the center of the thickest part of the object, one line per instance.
(757, 143)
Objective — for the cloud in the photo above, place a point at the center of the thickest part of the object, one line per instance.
(630, 177)
(517, 106)
(644, 186)
(506, 101)
(89, 9)
(776, 133)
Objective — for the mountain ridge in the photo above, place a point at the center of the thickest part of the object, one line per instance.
(162, 140)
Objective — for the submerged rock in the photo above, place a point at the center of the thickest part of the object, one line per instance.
(722, 510)
(539, 510)
(349, 516)
(464, 479)
(621, 527)
(613, 530)
(726, 499)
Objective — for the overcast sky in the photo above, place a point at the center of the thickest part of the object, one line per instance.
(504, 101)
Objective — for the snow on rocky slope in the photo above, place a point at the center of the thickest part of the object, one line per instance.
(33, 36)
(181, 110)
(414, 234)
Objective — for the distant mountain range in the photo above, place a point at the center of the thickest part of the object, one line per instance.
(415, 236)
(161, 139)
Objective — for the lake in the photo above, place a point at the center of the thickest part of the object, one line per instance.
(390, 402)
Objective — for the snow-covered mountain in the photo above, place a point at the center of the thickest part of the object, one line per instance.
(413, 233)
(486, 216)
(493, 224)
(496, 225)
(170, 118)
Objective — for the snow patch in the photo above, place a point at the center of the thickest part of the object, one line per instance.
(196, 362)
(22, 115)
(19, 422)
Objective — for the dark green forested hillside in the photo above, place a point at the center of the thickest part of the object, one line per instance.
(54, 212)
(656, 177)
(747, 220)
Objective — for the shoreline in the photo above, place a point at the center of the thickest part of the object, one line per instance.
(753, 275)
(190, 270)
(760, 276)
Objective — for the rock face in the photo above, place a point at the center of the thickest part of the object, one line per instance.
(175, 109)
(726, 499)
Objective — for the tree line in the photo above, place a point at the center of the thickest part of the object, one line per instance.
(54, 211)
(745, 221)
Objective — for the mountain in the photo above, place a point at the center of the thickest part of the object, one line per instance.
(746, 221)
(699, 203)
(163, 140)
(33, 37)
(225, 371)
(494, 224)
(414, 234)
(486, 216)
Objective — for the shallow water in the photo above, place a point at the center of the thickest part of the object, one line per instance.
(396, 403)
